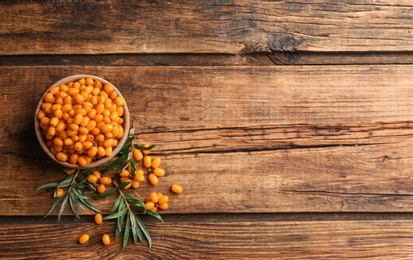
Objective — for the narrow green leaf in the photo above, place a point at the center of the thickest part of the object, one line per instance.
(48, 185)
(126, 232)
(76, 201)
(139, 147)
(154, 214)
(91, 186)
(53, 207)
(116, 215)
(138, 230)
(135, 235)
(89, 205)
(124, 184)
(66, 182)
(104, 195)
(116, 204)
(119, 223)
(144, 231)
(133, 167)
(120, 219)
(134, 200)
(62, 208)
(79, 194)
(72, 206)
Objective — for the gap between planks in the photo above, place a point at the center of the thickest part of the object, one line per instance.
(273, 58)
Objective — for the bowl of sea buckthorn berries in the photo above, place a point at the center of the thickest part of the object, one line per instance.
(82, 121)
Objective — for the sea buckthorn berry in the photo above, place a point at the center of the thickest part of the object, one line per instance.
(137, 155)
(60, 127)
(61, 156)
(153, 179)
(155, 209)
(54, 121)
(101, 151)
(128, 185)
(108, 151)
(59, 192)
(101, 188)
(48, 97)
(149, 205)
(97, 174)
(154, 197)
(135, 184)
(119, 101)
(145, 152)
(176, 188)
(108, 88)
(98, 219)
(105, 180)
(124, 173)
(91, 178)
(159, 172)
(147, 161)
(83, 239)
(70, 172)
(73, 158)
(164, 199)
(156, 162)
(106, 239)
(163, 206)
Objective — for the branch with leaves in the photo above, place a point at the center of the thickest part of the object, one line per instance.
(126, 208)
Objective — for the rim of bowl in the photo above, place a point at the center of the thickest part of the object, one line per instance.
(96, 163)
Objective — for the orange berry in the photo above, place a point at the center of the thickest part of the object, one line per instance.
(156, 162)
(106, 239)
(163, 206)
(83, 239)
(147, 161)
(164, 199)
(98, 219)
(149, 205)
(59, 192)
(92, 178)
(176, 188)
(154, 197)
(101, 188)
(105, 180)
(135, 184)
(159, 172)
(137, 155)
(153, 179)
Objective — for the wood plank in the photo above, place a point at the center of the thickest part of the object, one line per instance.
(340, 142)
(226, 27)
(218, 240)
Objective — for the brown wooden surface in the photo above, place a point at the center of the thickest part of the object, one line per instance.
(307, 161)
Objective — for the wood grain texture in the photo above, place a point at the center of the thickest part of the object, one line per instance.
(222, 240)
(193, 27)
(240, 139)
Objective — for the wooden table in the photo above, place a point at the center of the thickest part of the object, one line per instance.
(289, 125)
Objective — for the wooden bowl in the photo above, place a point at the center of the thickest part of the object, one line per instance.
(99, 162)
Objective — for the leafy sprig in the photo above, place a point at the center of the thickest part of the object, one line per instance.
(74, 185)
(124, 211)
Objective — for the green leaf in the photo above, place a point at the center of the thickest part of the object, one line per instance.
(89, 205)
(132, 167)
(72, 206)
(76, 201)
(120, 160)
(143, 147)
(137, 229)
(116, 215)
(126, 233)
(116, 204)
(154, 214)
(48, 185)
(124, 184)
(79, 194)
(104, 195)
(62, 208)
(53, 207)
(135, 201)
(66, 182)
(120, 219)
(144, 231)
